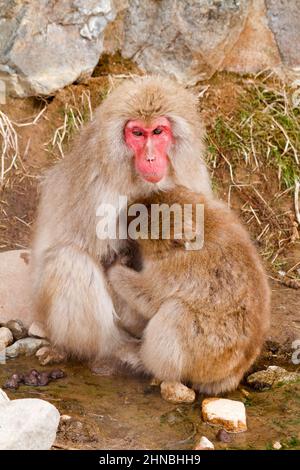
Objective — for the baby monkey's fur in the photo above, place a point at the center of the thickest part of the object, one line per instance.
(207, 311)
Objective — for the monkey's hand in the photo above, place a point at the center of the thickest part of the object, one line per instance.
(109, 259)
(135, 288)
(117, 273)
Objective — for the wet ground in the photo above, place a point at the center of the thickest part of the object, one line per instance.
(123, 412)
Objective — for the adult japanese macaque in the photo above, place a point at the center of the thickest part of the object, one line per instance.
(145, 137)
(207, 310)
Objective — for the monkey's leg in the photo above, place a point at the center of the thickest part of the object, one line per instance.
(162, 351)
(128, 318)
(226, 385)
(74, 303)
(170, 352)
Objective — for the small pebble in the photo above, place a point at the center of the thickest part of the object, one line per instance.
(245, 393)
(17, 328)
(11, 384)
(31, 379)
(47, 356)
(36, 378)
(19, 377)
(65, 418)
(36, 330)
(57, 374)
(277, 445)
(6, 337)
(176, 392)
(43, 379)
(204, 444)
(34, 373)
(223, 436)
(14, 381)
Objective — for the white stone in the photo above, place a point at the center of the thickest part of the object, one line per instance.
(65, 417)
(229, 414)
(36, 329)
(25, 346)
(3, 397)
(28, 424)
(176, 392)
(204, 444)
(6, 337)
(277, 445)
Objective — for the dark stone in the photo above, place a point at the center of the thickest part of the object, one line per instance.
(223, 436)
(57, 374)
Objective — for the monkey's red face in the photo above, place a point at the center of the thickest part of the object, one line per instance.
(150, 145)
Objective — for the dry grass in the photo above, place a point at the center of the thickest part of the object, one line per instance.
(75, 114)
(9, 141)
(17, 184)
(259, 146)
(9, 146)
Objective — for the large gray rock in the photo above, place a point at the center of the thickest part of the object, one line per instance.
(27, 424)
(25, 347)
(284, 20)
(45, 45)
(187, 39)
(255, 48)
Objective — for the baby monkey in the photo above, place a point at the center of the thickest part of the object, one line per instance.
(206, 310)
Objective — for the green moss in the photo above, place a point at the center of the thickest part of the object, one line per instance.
(264, 130)
(291, 443)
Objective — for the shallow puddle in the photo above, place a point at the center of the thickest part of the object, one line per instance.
(110, 412)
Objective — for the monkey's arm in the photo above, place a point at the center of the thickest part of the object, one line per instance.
(136, 288)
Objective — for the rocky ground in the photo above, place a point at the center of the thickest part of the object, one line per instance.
(253, 166)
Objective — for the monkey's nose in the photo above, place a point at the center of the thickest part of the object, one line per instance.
(150, 158)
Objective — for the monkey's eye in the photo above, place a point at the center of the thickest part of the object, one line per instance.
(157, 131)
(137, 133)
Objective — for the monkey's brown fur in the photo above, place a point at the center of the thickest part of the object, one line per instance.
(69, 284)
(208, 309)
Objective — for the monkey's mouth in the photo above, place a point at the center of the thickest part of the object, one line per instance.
(152, 173)
(153, 177)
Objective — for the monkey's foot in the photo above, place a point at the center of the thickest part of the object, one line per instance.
(129, 355)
